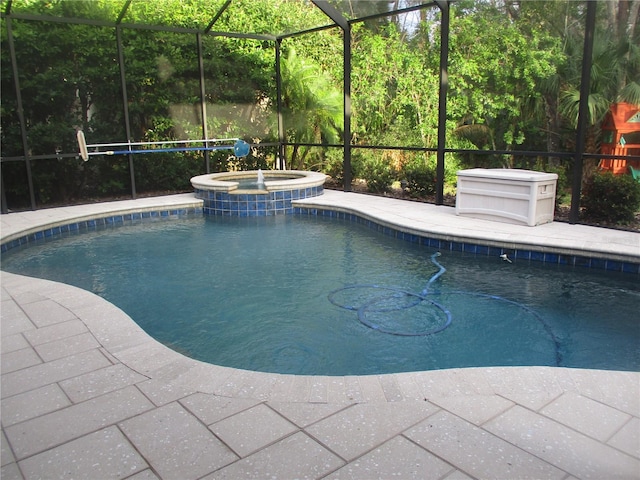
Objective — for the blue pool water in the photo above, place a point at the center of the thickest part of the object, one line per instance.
(321, 296)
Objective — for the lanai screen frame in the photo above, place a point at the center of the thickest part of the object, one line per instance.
(337, 20)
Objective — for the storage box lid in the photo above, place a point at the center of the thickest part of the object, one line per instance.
(513, 174)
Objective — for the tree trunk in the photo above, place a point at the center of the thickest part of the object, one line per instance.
(623, 18)
(634, 16)
(553, 128)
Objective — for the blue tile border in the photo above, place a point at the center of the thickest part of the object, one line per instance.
(100, 221)
(479, 249)
(261, 204)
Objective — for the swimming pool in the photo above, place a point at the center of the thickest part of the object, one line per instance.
(257, 295)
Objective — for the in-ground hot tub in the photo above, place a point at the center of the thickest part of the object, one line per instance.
(256, 193)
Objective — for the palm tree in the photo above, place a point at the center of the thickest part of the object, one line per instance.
(312, 106)
(615, 70)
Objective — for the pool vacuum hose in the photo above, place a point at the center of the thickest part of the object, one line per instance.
(417, 298)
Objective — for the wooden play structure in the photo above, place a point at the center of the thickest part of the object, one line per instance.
(621, 136)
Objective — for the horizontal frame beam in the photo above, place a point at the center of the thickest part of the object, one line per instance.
(137, 26)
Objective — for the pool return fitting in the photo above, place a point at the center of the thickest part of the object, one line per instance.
(240, 147)
(375, 305)
(505, 258)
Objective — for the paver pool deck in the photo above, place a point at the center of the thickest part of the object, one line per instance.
(86, 394)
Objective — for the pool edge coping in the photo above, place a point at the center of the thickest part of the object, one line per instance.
(101, 213)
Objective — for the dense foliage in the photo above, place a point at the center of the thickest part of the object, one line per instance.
(420, 180)
(611, 198)
(514, 70)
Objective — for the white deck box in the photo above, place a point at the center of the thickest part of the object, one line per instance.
(522, 197)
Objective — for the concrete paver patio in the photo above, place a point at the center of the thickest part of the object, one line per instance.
(87, 394)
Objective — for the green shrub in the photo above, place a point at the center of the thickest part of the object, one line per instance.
(379, 175)
(611, 198)
(421, 180)
(334, 165)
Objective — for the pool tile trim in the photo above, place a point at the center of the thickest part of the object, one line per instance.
(446, 243)
(241, 203)
(91, 223)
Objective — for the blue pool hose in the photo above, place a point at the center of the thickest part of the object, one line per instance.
(422, 297)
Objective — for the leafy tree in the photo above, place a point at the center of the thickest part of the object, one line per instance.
(394, 94)
(394, 88)
(496, 67)
(70, 79)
